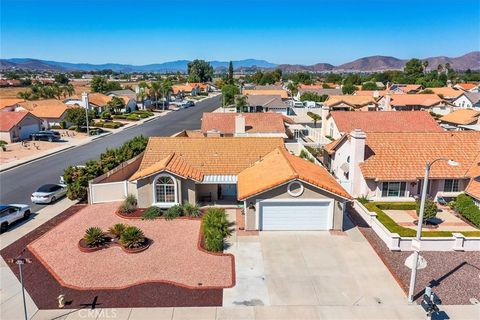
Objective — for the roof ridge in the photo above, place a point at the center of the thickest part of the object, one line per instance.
(284, 153)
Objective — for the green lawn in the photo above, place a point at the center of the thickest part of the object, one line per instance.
(393, 227)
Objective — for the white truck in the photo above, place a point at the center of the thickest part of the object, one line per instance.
(11, 213)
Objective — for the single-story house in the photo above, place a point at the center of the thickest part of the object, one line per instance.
(371, 93)
(9, 104)
(398, 88)
(265, 124)
(468, 100)
(279, 191)
(130, 94)
(51, 111)
(409, 102)
(318, 90)
(387, 166)
(351, 103)
(468, 87)
(335, 124)
(473, 188)
(98, 101)
(17, 126)
(265, 103)
(267, 92)
(189, 88)
(461, 119)
(446, 93)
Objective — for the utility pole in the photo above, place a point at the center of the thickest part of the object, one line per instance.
(88, 128)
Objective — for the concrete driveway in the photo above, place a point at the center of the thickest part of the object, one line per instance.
(310, 268)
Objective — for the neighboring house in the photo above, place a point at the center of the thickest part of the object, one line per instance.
(404, 88)
(339, 123)
(387, 166)
(410, 102)
(318, 90)
(371, 93)
(9, 104)
(189, 88)
(123, 93)
(17, 126)
(265, 103)
(461, 119)
(473, 188)
(267, 92)
(51, 111)
(468, 100)
(470, 87)
(351, 103)
(270, 87)
(279, 191)
(98, 101)
(446, 93)
(267, 124)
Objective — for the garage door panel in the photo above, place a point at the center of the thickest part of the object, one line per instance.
(295, 215)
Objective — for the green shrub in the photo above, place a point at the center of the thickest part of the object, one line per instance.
(191, 210)
(214, 242)
(465, 206)
(56, 126)
(94, 237)
(430, 210)
(105, 115)
(63, 124)
(132, 237)
(132, 117)
(131, 199)
(112, 125)
(99, 124)
(72, 128)
(396, 205)
(215, 228)
(3, 145)
(363, 199)
(174, 212)
(152, 213)
(126, 208)
(119, 116)
(117, 230)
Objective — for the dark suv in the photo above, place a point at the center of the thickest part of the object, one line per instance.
(46, 135)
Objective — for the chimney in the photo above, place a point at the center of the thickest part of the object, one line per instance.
(376, 94)
(85, 102)
(239, 124)
(449, 83)
(387, 105)
(325, 113)
(357, 156)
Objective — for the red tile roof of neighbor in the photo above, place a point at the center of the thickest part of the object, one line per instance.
(402, 156)
(426, 100)
(466, 86)
(268, 122)
(9, 102)
(385, 121)
(279, 167)
(8, 120)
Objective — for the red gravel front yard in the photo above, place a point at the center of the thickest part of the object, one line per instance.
(173, 257)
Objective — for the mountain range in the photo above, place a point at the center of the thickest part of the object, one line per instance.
(367, 64)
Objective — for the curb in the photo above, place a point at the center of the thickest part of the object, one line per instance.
(35, 159)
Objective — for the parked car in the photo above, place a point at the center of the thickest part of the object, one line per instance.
(11, 213)
(49, 193)
(296, 104)
(47, 135)
(190, 103)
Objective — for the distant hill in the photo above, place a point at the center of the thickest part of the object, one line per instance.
(367, 64)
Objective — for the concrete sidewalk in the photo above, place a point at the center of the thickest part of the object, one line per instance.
(76, 143)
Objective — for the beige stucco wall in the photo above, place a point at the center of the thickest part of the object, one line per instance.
(185, 189)
(310, 192)
(6, 136)
(14, 134)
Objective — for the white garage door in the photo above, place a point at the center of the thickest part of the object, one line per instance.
(295, 215)
(27, 130)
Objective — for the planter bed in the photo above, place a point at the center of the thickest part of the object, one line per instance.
(137, 214)
(109, 242)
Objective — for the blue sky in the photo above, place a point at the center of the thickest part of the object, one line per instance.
(300, 31)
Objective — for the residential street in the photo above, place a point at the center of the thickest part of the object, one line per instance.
(17, 184)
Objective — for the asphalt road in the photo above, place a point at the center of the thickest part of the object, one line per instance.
(17, 184)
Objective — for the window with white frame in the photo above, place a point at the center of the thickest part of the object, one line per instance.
(165, 190)
(393, 189)
(450, 185)
(331, 130)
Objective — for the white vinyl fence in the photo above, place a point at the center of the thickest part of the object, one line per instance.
(110, 191)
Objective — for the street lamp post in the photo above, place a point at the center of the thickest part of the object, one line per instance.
(20, 262)
(418, 237)
(88, 127)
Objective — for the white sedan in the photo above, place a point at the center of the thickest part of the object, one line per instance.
(49, 193)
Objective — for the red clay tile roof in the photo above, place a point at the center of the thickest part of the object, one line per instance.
(267, 92)
(426, 100)
(466, 86)
(8, 102)
(8, 119)
(47, 108)
(268, 122)
(402, 156)
(354, 101)
(279, 167)
(461, 116)
(172, 163)
(221, 156)
(385, 121)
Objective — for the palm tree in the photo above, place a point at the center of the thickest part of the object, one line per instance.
(440, 68)
(293, 88)
(425, 65)
(67, 90)
(166, 90)
(447, 67)
(155, 90)
(241, 103)
(141, 97)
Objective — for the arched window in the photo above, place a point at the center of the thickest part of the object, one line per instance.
(165, 189)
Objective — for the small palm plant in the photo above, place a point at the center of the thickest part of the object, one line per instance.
(191, 210)
(94, 237)
(132, 237)
(117, 230)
